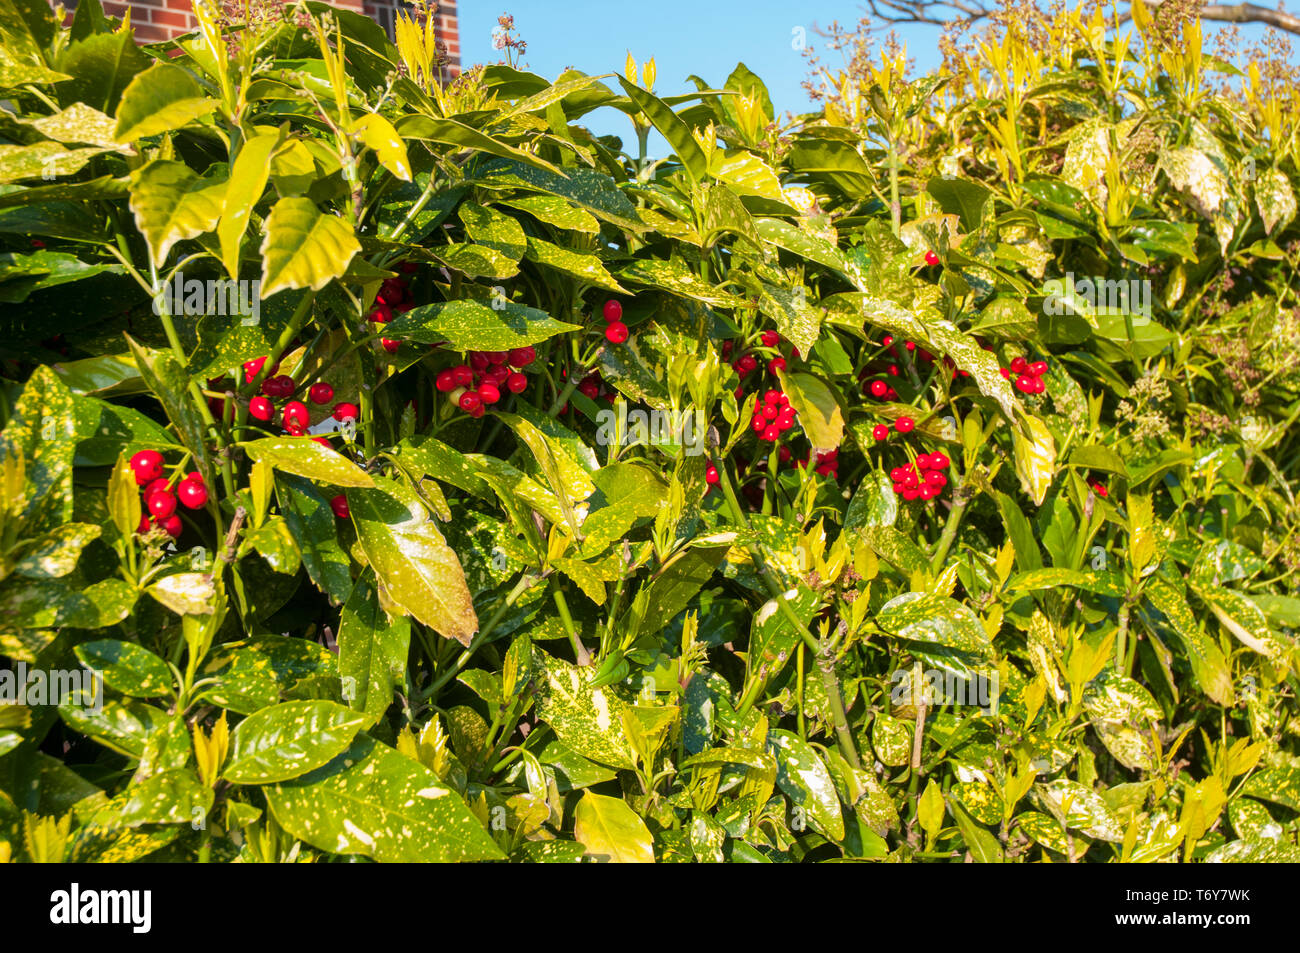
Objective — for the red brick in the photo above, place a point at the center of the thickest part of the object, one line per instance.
(172, 18)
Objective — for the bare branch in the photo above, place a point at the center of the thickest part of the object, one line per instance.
(939, 12)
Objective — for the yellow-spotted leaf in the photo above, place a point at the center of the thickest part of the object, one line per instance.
(418, 570)
(1035, 458)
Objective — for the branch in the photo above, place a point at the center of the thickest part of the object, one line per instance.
(940, 12)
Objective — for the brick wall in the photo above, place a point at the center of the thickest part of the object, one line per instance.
(157, 20)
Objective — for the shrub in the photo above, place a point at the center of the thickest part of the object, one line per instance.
(428, 479)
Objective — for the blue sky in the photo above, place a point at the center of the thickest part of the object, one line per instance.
(706, 37)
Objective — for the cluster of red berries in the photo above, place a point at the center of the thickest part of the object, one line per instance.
(924, 479)
(747, 363)
(773, 416)
(394, 298)
(615, 330)
(1029, 379)
(294, 415)
(473, 386)
(158, 496)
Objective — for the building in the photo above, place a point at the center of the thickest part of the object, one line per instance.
(157, 20)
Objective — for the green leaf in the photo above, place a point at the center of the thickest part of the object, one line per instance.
(611, 832)
(315, 532)
(579, 265)
(983, 846)
(170, 384)
(307, 458)
(807, 782)
(126, 667)
(794, 239)
(416, 567)
(1208, 664)
(247, 182)
(554, 210)
(1102, 583)
(820, 413)
(371, 800)
(923, 617)
(874, 503)
(122, 726)
(468, 325)
(1035, 458)
(672, 128)
(372, 652)
(173, 204)
(286, 741)
(162, 98)
(377, 133)
(304, 247)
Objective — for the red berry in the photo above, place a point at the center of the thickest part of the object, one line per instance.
(910, 345)
(497, 357)
(1101, 489)
(521, 356)
(935, 479)
(711, 474)
(279, 386)
(345, 410)
(770, 411)
(390, 345)
(613, 311)
(892, 370)
(922, 461)
(776, 364)
(1005, 372)
(938, 461)
(193, 478)
(296, 414)
(253, 368)
(926, 492)
(758, 424)
(931, 258)
(339, 505)
(323, 441)
(879, 388)
(161, 504)
(785, 419)
(773, 397)
(497, 374)
(905, 425)
(880, 432)
(516, 383)
(1038, 368)
(771, 432)
(770, 339)
(488, 393)
(446, 381)
(381, 314)
(462, 375)
(147, 460)
(172, 526)
(321, 393)
(478, 361)
(192, 494)
(616, 332)
(259, 408)
(1040, 385)
(746, 364)
(470, 401)
(1025, 383)
(1019, 365)
(156, 486)
(143, 526)
(910, 493)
